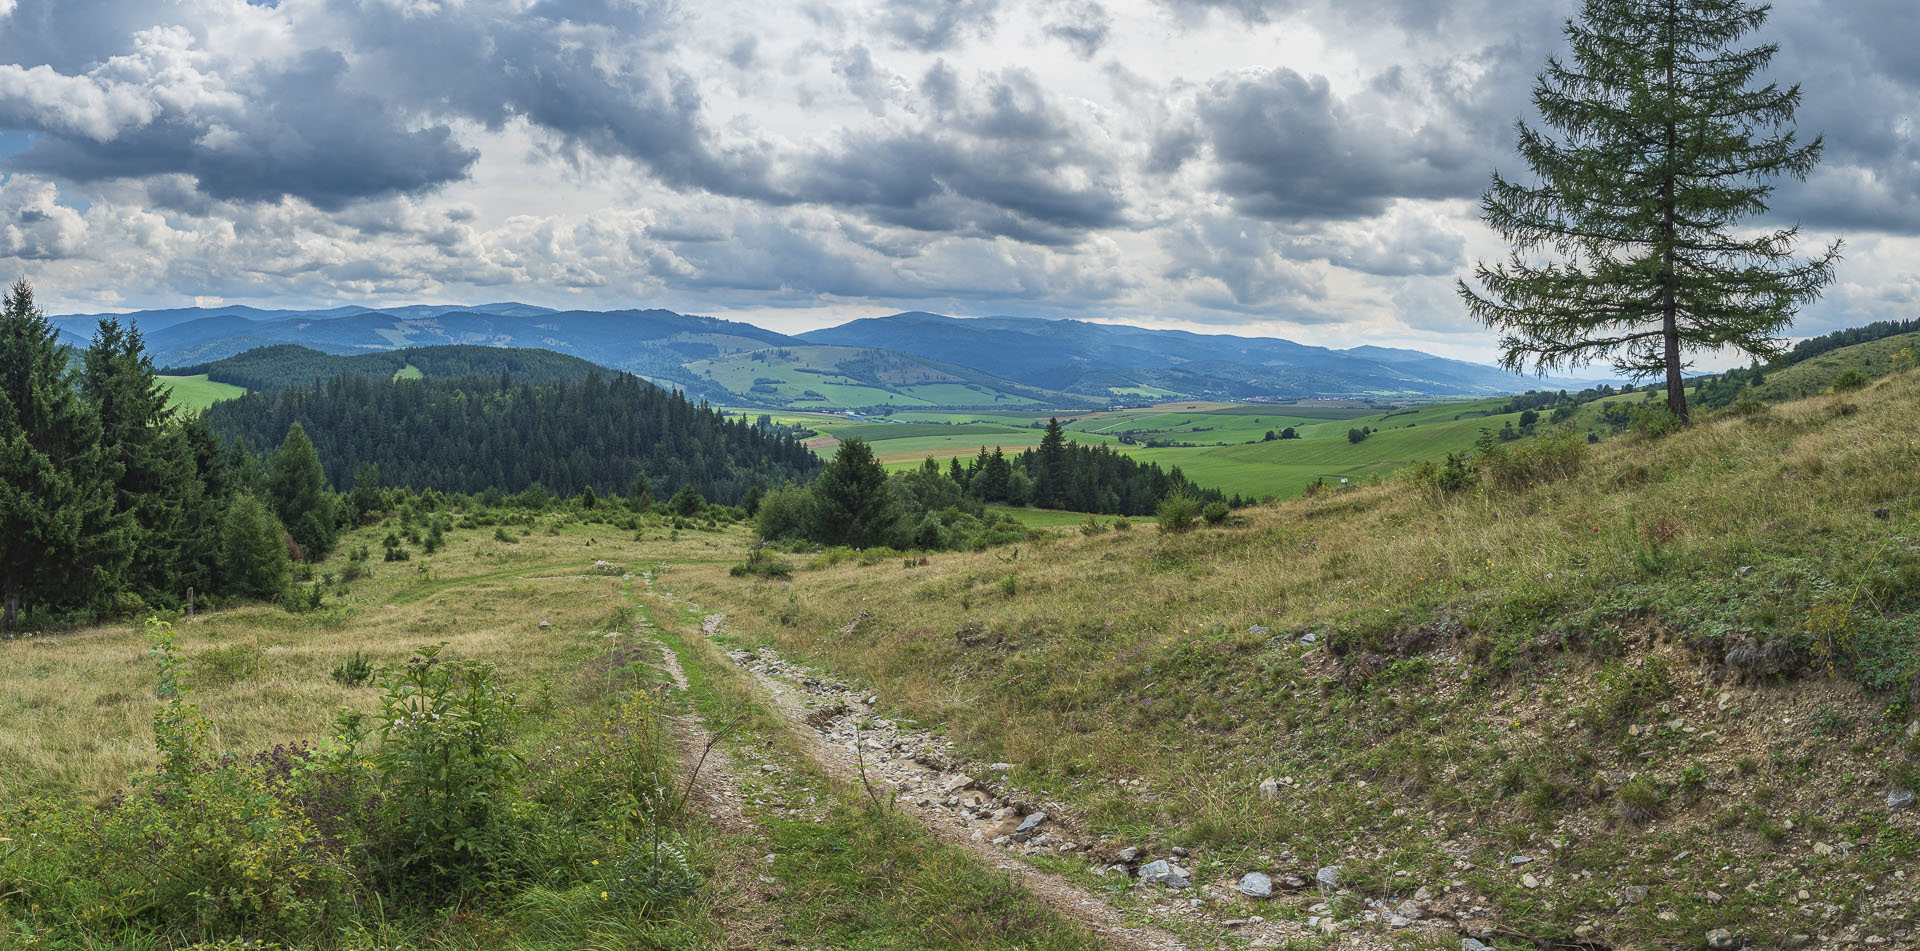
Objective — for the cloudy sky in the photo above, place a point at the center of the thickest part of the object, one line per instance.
(1299, 168)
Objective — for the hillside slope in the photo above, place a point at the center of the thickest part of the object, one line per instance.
(1872, 359)
(827, 377)
(978, 363)
(284, 365)
(1615, 696)
(1103, 360)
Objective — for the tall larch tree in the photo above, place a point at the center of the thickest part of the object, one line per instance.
(1629, 245)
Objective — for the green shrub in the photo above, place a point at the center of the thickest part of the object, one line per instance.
(1215, 513)
(1550, 458)
(201, 847)
(1177, 513)
(445, 770)
(1092, 525)
(355, 671)
(764, 564)
(1849, 379)
(1655, 420)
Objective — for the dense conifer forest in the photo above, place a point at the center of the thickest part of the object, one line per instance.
(284, 365)
(481, 432)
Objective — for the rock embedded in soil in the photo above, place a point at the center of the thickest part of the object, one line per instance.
(1165, 873)
(1269, 788)
(1900, 799)
(1720, 939)
(1329, 878)
(1255, 885)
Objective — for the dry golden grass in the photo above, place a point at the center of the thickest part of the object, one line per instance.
(79, 707)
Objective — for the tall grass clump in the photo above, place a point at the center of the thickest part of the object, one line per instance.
(429, 802)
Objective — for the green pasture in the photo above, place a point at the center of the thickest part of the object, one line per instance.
(197, 392)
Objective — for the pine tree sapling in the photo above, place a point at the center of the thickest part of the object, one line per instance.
(1629, 245)
(253, 550)
(298, 487)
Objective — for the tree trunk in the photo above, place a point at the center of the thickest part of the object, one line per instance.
(1676, 387)
(1669, 310)
(10, 619)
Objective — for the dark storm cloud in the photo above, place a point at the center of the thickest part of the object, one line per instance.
(68, 36)
(1083, 27)
(934, 25)
(587, 69)
(1859, 74)
(999, 161)
(302, 136)
(315, 129)
(1287, 149)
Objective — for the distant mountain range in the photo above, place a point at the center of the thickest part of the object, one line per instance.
(906, 360)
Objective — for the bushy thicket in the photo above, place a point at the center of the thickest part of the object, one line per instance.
(1552, 456)
(854, 503)
(1066, 475)
(425, 804)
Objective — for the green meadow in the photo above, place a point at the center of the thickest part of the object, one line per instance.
(197, 392)
(1225, 444)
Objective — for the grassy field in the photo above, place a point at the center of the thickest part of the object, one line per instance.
(1689, 665)
(839, 377)
(1686, 665)
(1053, 518)
(197, 392)
(573, 640)
(1230, 451)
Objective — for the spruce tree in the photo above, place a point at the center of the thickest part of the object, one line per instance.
(298, 488)
(850, 501)
(63, 539)
(1630, 245)
(158, 487)
(1050, 485)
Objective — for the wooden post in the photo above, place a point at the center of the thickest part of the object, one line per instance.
(189, 602)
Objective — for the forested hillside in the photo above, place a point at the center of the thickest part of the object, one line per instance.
(283, 365)
(475, 433)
